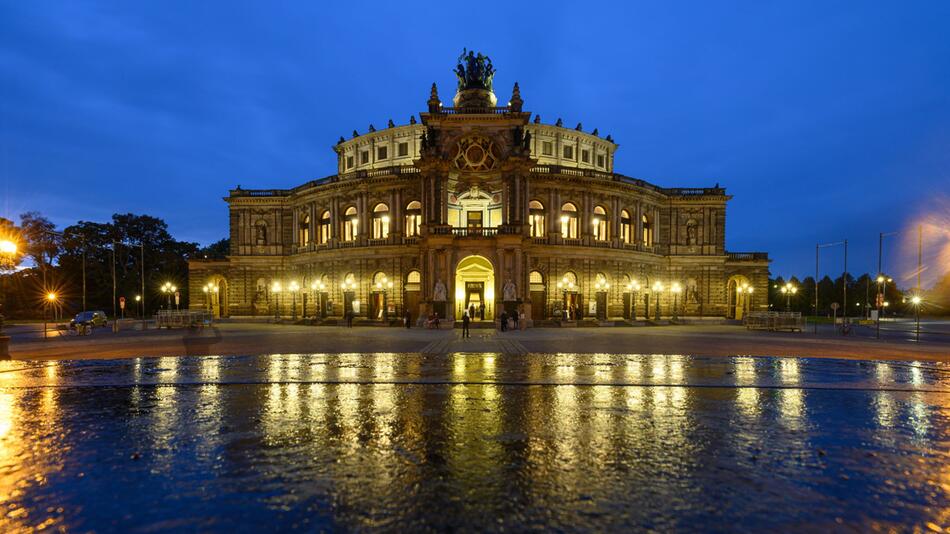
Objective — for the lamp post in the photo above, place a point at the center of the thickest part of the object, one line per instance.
(788, 290)
(317, 288)
(633, 287)
(657, 289)
(601, 286)
(50, 300)
(294, 287)
(383, 286)
(138, 305)
(169, 290)
(276, 290)
(676, 289)
(566, 286)
(915, 300)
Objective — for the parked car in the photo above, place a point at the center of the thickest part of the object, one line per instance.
(89, 318)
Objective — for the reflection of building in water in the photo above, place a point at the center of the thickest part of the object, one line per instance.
(484, 208)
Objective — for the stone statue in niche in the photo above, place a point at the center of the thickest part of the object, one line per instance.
(438, 293)
(692, 291)
(260, 235)
(509, 291)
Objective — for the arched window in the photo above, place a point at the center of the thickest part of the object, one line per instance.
(260, 233)
(413, 218)
(413, 281)
(647, 231)
(569, 221)
(380, 221)
(536, 218)
(324, 227)
(626, 226)
(601, 283)
(303, 230)
(350, 224)
(599, 222)
(536, 281)
(349, 282)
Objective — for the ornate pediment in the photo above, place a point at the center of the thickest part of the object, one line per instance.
(475, 153)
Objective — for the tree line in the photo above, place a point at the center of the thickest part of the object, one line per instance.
(83, 260)
(861, 292)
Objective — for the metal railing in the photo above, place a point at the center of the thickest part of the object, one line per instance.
(183, 318)
(770, 320)
(475, 231)
(748, 256)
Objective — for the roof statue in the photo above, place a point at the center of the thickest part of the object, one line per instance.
(474, 71)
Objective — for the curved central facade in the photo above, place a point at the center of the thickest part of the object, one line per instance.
(480, 208)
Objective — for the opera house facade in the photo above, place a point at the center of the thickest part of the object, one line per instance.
(481, 208)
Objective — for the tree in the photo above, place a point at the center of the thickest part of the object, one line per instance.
(218, 250)
(42, 243)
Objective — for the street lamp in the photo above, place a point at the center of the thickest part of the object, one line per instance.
(294, 287)
(383, 286)
(318, 288)
(50, 300)
(169, 290)
(138, 304)
(915, 300)
(676, 289)
(633, 287)
(657, 289)
(276, 290)
(566, 286)
(788, 290)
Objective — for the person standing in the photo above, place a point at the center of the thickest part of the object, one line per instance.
(514, 319)
(465, 321)
(471, 311)
(407, 318)
(504, 321)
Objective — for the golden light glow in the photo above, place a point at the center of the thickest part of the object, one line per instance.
(51, 297)
(7, 247)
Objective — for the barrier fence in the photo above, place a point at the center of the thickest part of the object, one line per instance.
(792, 321)
(183, 318)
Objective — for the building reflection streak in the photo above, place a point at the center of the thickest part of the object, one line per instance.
(792, 398)
(747, 395)
(885, 408)
(919, 414)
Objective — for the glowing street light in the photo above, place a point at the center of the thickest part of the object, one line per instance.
(676, 289)
(633, 288)
(50, 301)
(169, 289)
(7, 247)
(916, 301)
(657, 289)
(788, 290)
(276, 289)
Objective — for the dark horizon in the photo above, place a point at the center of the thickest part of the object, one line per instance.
(825, 122)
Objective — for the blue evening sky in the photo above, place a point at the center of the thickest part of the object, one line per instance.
(826, 120)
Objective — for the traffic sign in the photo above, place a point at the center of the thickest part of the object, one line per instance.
(880, 300)
(835, 305)
(122, 302)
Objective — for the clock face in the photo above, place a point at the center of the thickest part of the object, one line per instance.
(475, 153)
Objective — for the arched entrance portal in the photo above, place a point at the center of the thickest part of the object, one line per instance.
(739, 294)
(475, 288)
(218, 297)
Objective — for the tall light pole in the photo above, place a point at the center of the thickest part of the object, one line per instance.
(657, 289)
(632, 288)
(294, 287)
(788, 290)
(8, 249)
(676, 289)
(50, 300)
(276, 290)
(916, 302)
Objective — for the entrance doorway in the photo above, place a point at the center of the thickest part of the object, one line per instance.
(475, 285)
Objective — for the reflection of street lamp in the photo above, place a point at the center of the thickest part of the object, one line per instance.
(633, 287)
(915, 300)
(676, 289)
(657, 289)
(788, 290)
(275, 288)
(294, 287)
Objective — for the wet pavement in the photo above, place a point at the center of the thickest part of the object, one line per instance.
(478, 441)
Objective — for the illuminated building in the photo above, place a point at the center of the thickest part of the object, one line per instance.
(477, 206)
